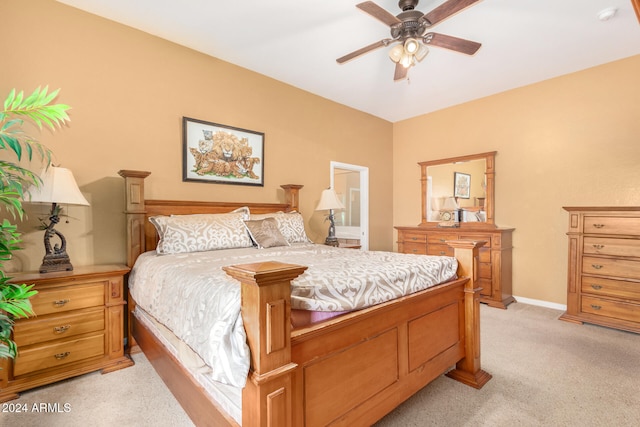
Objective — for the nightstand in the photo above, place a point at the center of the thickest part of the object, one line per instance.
(78, 327)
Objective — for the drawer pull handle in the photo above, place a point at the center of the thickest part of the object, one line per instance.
(596, 266)
(61, 329)
(596, 287)
(443, 253)
(443, 240)
(598, 246)
(596, 307)
(61, 356)
(61, 302)
(598, 225)
(414, 238)
(414, 251)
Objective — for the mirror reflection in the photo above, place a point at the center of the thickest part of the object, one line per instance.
(459, 189)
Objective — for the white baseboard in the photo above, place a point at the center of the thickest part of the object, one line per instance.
(541, 303)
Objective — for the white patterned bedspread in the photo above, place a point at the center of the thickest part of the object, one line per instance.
(192, 296)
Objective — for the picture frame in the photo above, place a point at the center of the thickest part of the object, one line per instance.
(461, 185)
(221, 154)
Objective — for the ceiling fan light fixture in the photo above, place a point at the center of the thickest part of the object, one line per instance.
(421, 53)
(411, 46)
(407, 60)
(395, 54)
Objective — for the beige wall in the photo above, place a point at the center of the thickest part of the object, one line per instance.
(568, 141)
(129, 92)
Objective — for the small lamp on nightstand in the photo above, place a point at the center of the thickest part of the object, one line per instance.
(328, 202)
(58, 187)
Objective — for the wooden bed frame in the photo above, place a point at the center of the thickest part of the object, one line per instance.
(349, 370)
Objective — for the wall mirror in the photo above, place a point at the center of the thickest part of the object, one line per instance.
(464, 185)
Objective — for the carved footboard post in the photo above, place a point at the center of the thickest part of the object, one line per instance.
(266, 312)
(468, 370)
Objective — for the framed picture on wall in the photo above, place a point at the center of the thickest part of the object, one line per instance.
(461, 185)
(221, 154)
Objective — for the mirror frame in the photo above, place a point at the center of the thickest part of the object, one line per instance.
(490, 170)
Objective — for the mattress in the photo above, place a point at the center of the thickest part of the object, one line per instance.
(193, 297)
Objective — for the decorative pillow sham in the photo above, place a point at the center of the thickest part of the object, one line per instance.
(265, 233)
(200, 232)
(290, 225)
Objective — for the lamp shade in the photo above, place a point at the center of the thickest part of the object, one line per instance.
(329, 200)
(450, 204)
(58, 186)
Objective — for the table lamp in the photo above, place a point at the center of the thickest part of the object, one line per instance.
(58, 187)
(328, 202)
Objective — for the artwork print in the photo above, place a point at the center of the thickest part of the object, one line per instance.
(461, 185)
(222, 154)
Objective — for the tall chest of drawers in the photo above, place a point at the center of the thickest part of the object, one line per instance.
(603, 285)
(495, 269)
(78, 327)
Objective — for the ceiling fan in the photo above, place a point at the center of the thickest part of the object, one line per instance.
(410, 29)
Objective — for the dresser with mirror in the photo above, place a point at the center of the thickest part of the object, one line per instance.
(458, 202)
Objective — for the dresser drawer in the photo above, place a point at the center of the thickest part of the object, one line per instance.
(611, 225)
(611, 308)
(611, 246)
(612, 288)
(415, 248)
(57, 353)
(41, 329)
(441, 239)
(440, 250)
(414, 237)
(611, 267)
(63, 299)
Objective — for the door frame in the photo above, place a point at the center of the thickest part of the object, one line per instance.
(364, 197)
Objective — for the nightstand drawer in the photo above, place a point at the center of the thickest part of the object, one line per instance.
(611, 246)
(36, 358)
(62, 299)
(610, 267)
(41, 329)
(611, 308)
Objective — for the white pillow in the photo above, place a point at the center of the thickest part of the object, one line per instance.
(290, 225)
(200, 232)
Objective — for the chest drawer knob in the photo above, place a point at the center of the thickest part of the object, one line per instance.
(61, 302)
(596, 307)
(598, 225)
(598, 246)
(596, 266)
(414, 238)
(596, 287)
(61, 356)
(61, 329)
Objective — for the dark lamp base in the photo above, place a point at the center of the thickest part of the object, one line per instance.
(331, 241)
(55, 262)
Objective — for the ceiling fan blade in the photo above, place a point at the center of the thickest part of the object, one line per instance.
(400, 73)
(379, 13)
(454, 43)
(362, 51)
(447, 9)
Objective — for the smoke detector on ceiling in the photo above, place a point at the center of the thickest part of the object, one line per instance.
(606, 14)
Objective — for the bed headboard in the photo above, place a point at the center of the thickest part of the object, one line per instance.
(141, 234)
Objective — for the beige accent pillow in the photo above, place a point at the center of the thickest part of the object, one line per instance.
(290, 225)
(265, 233)
(200, 232)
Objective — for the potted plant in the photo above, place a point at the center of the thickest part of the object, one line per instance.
(15, 180)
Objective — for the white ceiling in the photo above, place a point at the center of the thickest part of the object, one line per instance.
(298, 41)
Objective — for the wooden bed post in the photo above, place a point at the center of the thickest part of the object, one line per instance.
(134, 210)
(266, 313)
(468, 370)
(291, 192)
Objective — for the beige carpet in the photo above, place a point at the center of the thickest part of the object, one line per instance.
(545, 373)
